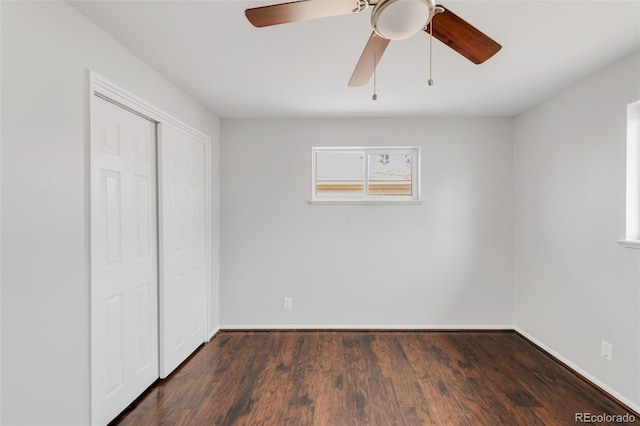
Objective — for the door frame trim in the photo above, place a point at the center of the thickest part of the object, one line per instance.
(99, 86)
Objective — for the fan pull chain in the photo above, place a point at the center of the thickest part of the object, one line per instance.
(430, 81)
(375, 95)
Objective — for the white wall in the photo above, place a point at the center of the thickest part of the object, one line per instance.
(447, 262)
(574, 285)
(47, 49)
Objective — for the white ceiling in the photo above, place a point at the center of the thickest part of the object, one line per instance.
(301, 69)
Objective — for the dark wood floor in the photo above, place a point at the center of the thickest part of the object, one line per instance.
(373, 378)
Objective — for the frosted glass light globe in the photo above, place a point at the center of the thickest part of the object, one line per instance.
(400, 19)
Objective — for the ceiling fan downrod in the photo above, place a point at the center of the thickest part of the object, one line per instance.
(361, 5)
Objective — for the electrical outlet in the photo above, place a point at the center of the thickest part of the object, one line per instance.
(606, 350)
(288, 302)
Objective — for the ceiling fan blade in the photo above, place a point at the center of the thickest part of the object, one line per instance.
(298, 11)
(364, 68)
(463, 37)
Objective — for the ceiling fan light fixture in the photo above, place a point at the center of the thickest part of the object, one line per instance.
(400, 19)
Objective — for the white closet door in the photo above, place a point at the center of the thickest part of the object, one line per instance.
(183, 271)
(124, 292)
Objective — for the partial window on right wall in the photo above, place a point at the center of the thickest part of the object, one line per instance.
(632, 229)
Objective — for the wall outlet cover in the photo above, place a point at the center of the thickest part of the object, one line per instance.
(288, 302)
(606, 350)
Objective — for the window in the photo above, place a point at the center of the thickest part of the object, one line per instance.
(632, 233)
(366, 175)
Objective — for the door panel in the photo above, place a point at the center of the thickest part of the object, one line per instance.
(113, 310)
(124, 280)
(182, 231)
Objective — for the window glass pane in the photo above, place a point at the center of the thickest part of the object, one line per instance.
(339, 174)
(390, 174)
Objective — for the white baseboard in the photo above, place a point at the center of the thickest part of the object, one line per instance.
(213, 333)
(568, 363)
(366, 327)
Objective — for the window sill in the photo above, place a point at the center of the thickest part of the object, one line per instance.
(313, 202)
(633, 244)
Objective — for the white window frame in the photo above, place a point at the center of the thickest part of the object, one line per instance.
(632, 228)
(414, 198)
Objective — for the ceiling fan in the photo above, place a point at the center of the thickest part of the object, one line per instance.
(391, 20)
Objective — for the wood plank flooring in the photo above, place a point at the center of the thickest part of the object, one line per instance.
(369, 378)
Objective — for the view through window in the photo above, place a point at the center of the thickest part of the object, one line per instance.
(375, 174)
